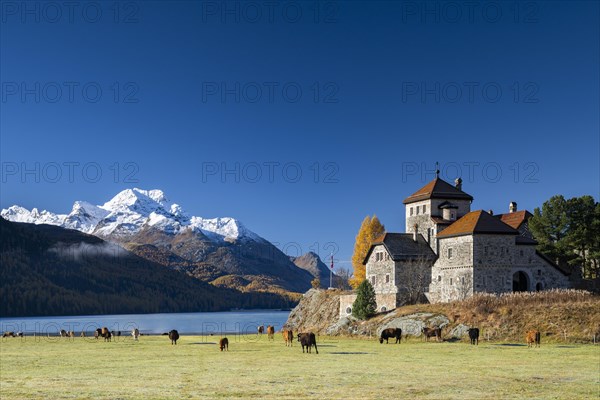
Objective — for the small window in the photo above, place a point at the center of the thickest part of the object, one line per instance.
(451, 215)
(539, 272)
(439, 278)
(349, 310)
(387, 278)
(450, 281)
(450, 253)
(417, 210)
(462, 280)
(424, 209)
(373, 280)
(383, 309)
(411, 211)
(539, 287)
(521, 253)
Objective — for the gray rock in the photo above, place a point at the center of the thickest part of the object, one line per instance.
(459, 331)
(413, 324)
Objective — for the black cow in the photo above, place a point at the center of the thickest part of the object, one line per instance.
(391, 333)
(308, 340)
(174, 335)
(474, 335)
(429, 332)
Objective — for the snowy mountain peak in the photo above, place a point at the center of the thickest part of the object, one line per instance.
(129, 212)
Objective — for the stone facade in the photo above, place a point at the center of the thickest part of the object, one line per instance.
(478, 253)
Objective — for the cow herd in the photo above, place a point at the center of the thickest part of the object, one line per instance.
(307, 340)
(532, 337)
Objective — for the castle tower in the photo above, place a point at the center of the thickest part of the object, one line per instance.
(434, 207)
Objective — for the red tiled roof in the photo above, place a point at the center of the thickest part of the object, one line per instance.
(477, 222)
(437, 189)
(514, 219)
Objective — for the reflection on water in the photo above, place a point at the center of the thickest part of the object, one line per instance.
(238, 322)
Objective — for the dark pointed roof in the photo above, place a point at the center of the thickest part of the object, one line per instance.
(477, 222)
(437, 189)
(402, 246)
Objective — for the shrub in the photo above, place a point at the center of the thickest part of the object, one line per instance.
(365, 304)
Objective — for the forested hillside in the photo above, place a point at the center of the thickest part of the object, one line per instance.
(48, 270)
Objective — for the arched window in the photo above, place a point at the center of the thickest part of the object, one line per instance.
(349, 310)
(539, 287)
(383, 309)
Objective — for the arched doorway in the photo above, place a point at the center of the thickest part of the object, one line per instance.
(520, 282)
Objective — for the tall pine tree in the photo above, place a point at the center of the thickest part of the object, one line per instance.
(370, 229)
(365, 304)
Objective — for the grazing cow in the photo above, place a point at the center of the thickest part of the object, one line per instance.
(72, 334)
(136, 334)
(474, 335)
(261, 329)
(307, 340)
(271, 332)
(20, 334)
(106, 334)
(174, 336)
(224, 344)
(63, 333)
(391, 333)
(288, 337)
(8, 334)
(429, 332)
(82, 334)
(533, 338)
(97, 333)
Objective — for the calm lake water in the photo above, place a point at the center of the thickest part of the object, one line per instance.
(238, 322)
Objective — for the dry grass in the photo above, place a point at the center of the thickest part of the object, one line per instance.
(256, 368)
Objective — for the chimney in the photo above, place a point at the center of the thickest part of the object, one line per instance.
(458, 183)
(491, 212)
(415, 232)
(512, 207)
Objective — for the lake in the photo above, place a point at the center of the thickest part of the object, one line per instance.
(236, 322)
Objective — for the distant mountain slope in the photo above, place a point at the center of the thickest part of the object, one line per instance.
(149, 225)
(49, 270)
(312, 263)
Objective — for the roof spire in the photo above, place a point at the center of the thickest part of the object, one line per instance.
(437, 169)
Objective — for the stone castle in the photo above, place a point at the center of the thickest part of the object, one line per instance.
(450, 252)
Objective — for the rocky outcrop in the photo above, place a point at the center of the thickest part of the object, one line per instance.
(569, 316)
(317, 310)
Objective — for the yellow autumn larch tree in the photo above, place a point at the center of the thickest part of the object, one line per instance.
(370, 229)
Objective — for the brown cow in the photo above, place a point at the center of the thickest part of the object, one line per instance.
(8, 334)
(106, 334)
(224, 344)
(288, 337)
(429, 332)
(533, 338)
(271, 332)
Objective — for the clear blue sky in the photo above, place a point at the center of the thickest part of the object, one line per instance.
(361, 92)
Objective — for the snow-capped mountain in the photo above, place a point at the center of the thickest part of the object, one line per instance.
(221, 251)
(129, 212)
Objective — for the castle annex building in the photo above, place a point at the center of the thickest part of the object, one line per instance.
(450, 252)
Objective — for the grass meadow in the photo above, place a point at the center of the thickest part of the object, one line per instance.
(83, 368)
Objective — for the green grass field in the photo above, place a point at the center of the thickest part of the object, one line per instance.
(83, 368)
